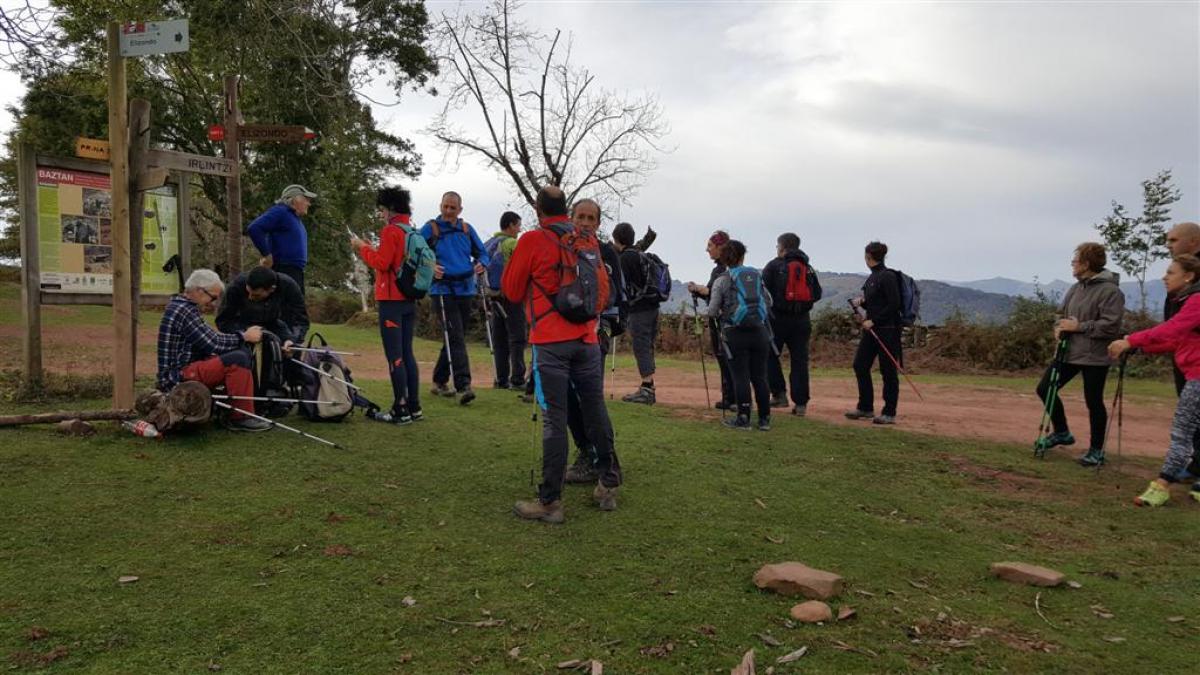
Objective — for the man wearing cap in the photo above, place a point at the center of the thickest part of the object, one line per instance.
(279, 234)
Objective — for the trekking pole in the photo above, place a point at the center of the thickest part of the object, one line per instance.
(886, 351)
(612, 373)
(700, 343)
(446, 337)
(281, 425)
(269, 399)
(331, 376)
(321, 350)
(1044, 427)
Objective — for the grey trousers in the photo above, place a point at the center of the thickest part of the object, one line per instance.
(643, 330)
(1183, 431)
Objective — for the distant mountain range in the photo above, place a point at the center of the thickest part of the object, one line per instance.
(984, 301)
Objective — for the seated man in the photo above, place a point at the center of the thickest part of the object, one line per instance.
(263, 298)
(190, 349)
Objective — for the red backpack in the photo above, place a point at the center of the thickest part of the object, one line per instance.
(801, 284)
(582, 280)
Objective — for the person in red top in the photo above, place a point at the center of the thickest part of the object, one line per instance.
(397, 314)
(565, 355)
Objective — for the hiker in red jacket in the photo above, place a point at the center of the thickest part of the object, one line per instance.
(566, 352)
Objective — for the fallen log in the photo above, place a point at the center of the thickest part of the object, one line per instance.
(48, 418)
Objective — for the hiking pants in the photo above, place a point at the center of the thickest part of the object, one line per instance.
(294, 271)
(643, 329)
(574, 415)
(1093, 393)
(864, 358)
(231, 369)
(792, 330)
(1183, 430)
(457, 310)
(748, 350)
(508, 339)
(397, 323)
(559, 367)
(714, 334)
(1194, 468)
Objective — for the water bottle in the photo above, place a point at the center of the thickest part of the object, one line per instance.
(141, 428)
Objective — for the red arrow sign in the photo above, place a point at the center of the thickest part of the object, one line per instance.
(264, 132)
(216, 132)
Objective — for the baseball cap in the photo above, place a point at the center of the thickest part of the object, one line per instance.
(296, 191)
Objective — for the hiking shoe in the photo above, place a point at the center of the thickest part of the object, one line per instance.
(516, 384)
(249, 424)
(441, 389)
(1155, 495)
(883, 419)
(723, 405)
(534, 509)
(502, 385)
(393, 416)
(605, 497)
(581, 472)
(417, 414)
(764, 423)
(741, 422)
(642, 395)
(799, 410)
(779, 401)
(857, 414)
(468, 395)
(1195, 493)
(1093, 457)
(1059, 438)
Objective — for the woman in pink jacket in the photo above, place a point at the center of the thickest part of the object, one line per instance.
(1178, 335)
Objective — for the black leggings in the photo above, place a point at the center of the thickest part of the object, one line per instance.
(1093, 393)
(748, 349)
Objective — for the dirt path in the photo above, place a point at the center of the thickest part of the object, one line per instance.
(951, 410)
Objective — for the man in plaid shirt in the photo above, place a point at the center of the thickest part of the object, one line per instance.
(190, 349)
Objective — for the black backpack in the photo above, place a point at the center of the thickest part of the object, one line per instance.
(271, 379)
(657, 279)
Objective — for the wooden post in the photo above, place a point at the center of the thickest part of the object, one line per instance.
(184, 205)
(31, 265)
(118, 139)
(233, 184)
(139, 143)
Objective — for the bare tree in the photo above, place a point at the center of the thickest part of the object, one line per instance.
(26, 33)
(544, 120)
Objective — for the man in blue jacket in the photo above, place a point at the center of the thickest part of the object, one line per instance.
(279, 234)
(460, 256)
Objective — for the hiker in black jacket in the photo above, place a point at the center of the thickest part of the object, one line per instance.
(787, 276)
(642, 311)
(261, 297)
(715, 246)
(879, 310)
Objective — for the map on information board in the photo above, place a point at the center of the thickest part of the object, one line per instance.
(75, 233)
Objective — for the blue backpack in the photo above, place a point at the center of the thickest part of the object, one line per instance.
(910, 299)
(495, 267)
(415, 275)
(748, 289)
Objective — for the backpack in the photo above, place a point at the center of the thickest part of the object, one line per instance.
(269, 377)
(415, 275)
(748, 289)
(910, 299)
(322, 388)
(801, 284)
(495, 266)
(657, 276)
(583, 289)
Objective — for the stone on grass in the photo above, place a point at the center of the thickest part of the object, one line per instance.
(793, 578)
(1031, 575)
(813, 611)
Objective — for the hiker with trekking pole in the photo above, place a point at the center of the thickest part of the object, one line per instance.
(880, 311)
(714, 247)
(505, 320)
(1179, 334)
(742, 304)
(1090, 318)
(1183, 239)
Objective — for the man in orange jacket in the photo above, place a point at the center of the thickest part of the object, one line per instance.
(565, 354)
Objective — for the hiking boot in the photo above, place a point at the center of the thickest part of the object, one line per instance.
(605, 497)
(642, 395)
(779, 400)
(857, 414)
(724, 405)
(249, 424)
(441, 389)
(1059, 438)
(416, 414)
(1093, 457)
(799, 410)
(468, 395)
(581, 471)
(534, 509)
(764, 423)
(518, 385)
(883, 419)
(1195, 493)
(1155, 495)
(741, 422)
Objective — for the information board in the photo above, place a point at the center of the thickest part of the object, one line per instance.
(74, 210)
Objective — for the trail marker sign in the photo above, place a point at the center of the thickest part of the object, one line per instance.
(142, 38)
(92, 148)
(186, 161)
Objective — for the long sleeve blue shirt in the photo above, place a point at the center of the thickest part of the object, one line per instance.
(280, 233)
(456, 251)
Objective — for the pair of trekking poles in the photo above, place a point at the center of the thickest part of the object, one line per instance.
(1046, 426)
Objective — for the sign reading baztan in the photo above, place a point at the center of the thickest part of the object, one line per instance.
(142, 38)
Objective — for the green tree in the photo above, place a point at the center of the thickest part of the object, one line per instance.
(1136, 242)
(301, 63)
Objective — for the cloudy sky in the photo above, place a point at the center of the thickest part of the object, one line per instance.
(976, 139)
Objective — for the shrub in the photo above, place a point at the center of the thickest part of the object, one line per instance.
(331, 306)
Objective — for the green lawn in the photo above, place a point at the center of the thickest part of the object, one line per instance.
(268, 553)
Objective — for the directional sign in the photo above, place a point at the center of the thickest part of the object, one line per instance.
(154, 37)
(91, 148)
(216, 132)
(186, 161)
(278, 133)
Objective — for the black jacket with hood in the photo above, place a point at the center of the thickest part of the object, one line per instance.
(775, 278)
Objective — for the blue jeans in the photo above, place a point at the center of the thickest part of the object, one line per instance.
(397, 321)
